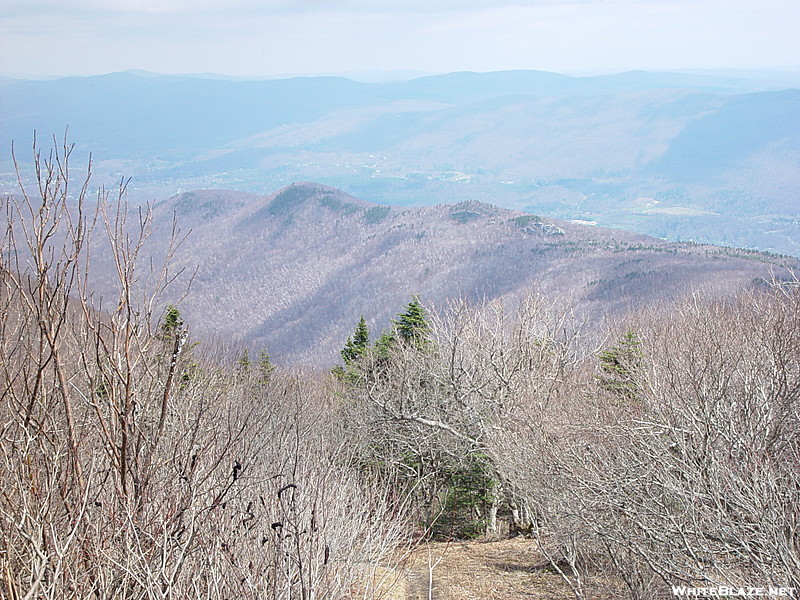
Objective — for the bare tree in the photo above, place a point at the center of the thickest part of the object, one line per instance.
(137, 465)
(428, 408)
(716, 444)
(692, 480)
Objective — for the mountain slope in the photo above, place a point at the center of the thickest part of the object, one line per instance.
(293, 271)
(719, 155)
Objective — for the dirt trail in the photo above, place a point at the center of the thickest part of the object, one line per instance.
(499, 570)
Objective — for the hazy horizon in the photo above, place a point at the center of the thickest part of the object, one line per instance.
(281, 38)
(790, 76)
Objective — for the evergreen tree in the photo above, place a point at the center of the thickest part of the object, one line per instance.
(265, 367)
(361, 335)
(175, 334)
(412, 325)
(355, 348)
(172, 324)
(620, 365)
(244, 361)
(356, 345)
(383, 344)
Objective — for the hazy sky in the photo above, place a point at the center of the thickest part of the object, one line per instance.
(275, 37)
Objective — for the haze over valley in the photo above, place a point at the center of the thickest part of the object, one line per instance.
(700, 157)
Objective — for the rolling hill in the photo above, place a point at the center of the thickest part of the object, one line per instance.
(293, 271)
(682, 156)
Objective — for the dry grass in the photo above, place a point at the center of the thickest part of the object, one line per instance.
(492, 570)
(389, 583)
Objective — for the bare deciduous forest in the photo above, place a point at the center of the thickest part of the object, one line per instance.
(140, 462)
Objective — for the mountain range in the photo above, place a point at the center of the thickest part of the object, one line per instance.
(698, 157)
(294, 270)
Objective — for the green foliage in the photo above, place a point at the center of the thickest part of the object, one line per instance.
(384, 343)
(173, 332)
(190, 373)
(453, 495)
(468, 494)
(288, 200)
(525, 220)
(464, 216)
(244, 361)
(376, 214)
(411, 326)
(355, 348)
(265, 367)
(172, 325)
(616, 283)
(620, 365)
(339, 206)
(102, 391)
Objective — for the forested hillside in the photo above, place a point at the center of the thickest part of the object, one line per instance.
(141, 460)
(293, 271)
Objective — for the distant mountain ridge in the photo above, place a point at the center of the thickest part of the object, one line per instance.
(125, 112)
(675, 155)
(293, 271)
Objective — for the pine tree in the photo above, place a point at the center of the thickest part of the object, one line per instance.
(265, 367)
(621, 365)
(356, 345)
(172, 324)
(361, 335)
(355, 348)
(412, 325)
(384, 343)
(244, 361)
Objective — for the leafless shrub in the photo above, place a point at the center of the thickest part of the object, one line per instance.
(715, 447)
(138, 465)
(427, 410)
(694, 479)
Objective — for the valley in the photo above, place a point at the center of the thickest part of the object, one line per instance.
(719, 154)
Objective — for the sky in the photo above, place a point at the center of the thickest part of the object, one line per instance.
(268, 38)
